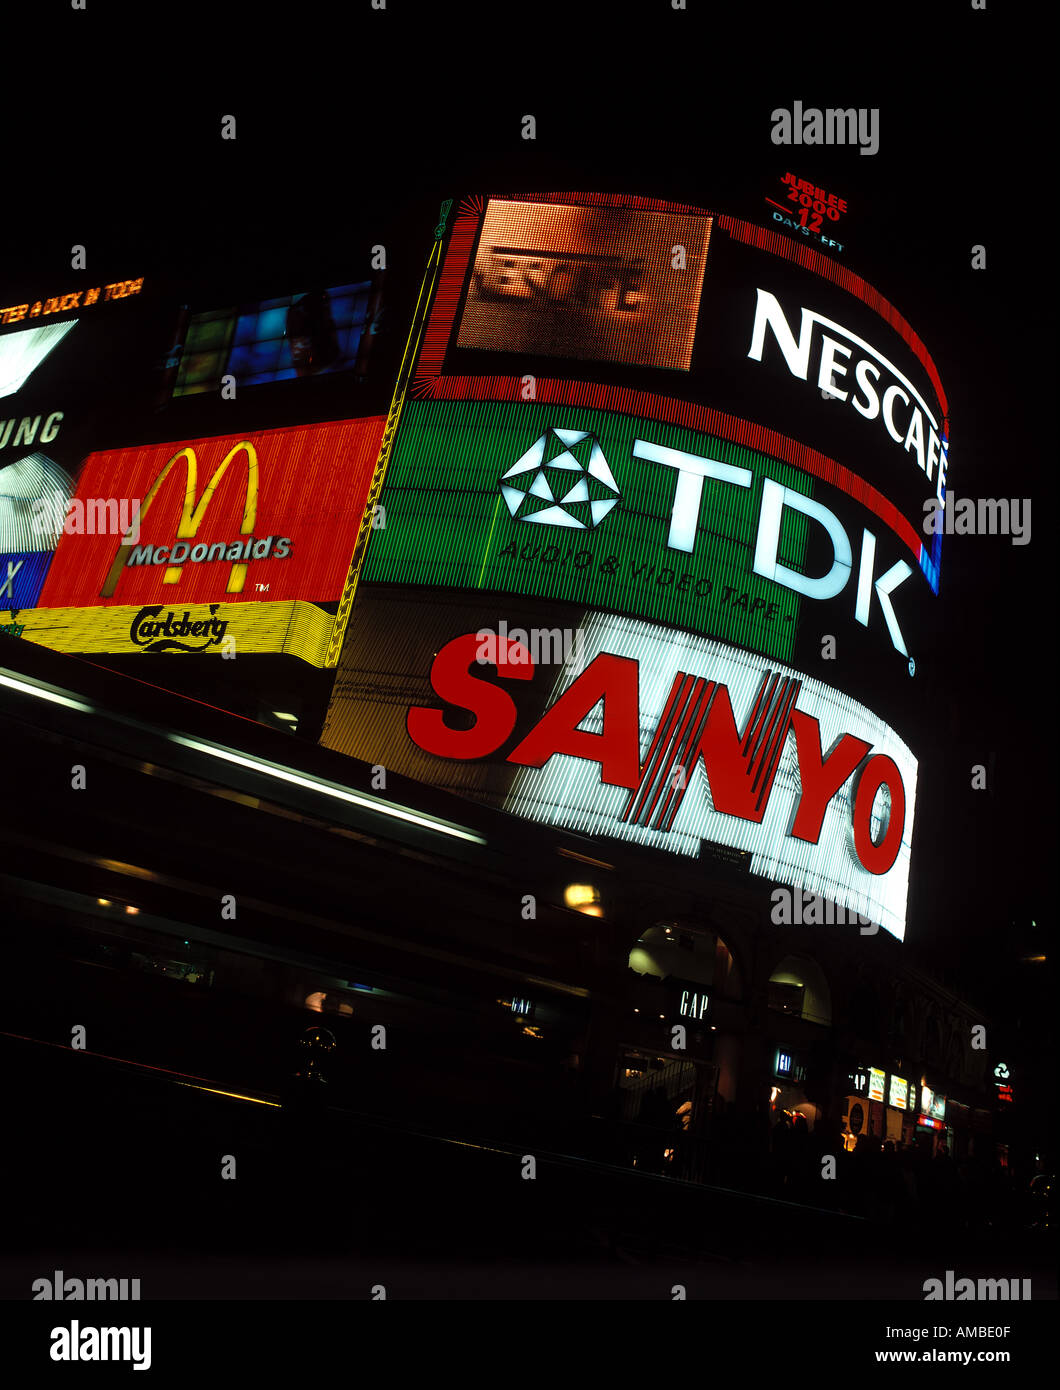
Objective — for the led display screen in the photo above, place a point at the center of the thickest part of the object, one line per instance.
(642, 517)
(813, 361)
(784, 337)
(276, 339)
(615, 727)
(898, 1093)
(34, 492)
(266, 516)
(606, 284)
(220, 629)
(876, 1080)
(21, 577)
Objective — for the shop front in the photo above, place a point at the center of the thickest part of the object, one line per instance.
(863, 1112)
(787, 1096)
(935, 1122)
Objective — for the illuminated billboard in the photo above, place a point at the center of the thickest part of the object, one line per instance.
(22, 353)
(269, 516)
(73, 299)
(34, 492)
(620, 728)
(295, 335)
(898, 1094)
(774, 333)
(644, 517)
(220, 629)
(932, 1104)
(608, 284)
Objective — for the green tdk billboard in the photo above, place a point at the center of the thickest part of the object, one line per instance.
(619, 514)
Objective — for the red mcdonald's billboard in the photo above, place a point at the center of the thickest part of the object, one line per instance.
(267, 516)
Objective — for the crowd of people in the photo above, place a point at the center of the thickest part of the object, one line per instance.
(879, 1179)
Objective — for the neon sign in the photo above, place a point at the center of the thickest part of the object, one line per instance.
(78, 299)
(733, 752)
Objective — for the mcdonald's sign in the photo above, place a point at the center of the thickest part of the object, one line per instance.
(264, 517)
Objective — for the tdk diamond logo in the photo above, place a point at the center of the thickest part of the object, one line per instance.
(563, 480)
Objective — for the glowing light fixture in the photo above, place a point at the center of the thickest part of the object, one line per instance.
(583, 897)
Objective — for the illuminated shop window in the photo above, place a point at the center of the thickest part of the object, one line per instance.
(306, 334)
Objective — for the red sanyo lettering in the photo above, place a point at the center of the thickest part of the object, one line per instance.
(493, 708)
(821, 777)
(727, 758)
(613, 679)
(877, 772)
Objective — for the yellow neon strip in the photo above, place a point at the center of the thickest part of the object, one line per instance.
(489, 541)
(235, 1095)
(364, 534)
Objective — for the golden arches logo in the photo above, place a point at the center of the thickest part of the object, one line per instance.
(192, 513)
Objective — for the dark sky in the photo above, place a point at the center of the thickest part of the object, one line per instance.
(351, 130)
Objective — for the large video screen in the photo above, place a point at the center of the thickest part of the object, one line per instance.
(295, 335)
(607, 284)
(778, 335)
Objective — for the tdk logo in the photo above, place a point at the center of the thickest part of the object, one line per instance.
(831, 127)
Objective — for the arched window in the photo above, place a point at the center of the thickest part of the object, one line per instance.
(689, 953)
(798, 986)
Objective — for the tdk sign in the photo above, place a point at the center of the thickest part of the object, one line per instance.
(693, 471)
(854, 126)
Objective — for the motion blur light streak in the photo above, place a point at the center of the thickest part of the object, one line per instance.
(41, 694)
(313, 784)
(233, 1095)
(255, 765)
